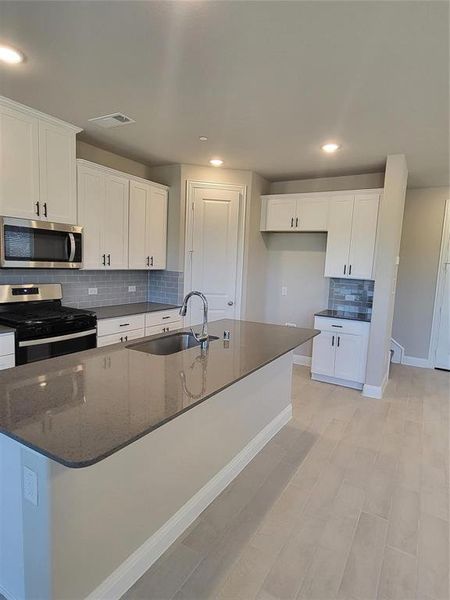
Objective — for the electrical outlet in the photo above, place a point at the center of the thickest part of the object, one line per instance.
(284, 290)
(350, 297)
(92, 291)
(131, 288)
(30, 486)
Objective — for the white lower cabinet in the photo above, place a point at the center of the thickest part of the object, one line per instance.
(340, 351)
(117, 338)
(154, 329)
(131, 327)
(7, 350)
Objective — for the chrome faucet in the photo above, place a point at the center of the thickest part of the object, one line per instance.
(202, 338)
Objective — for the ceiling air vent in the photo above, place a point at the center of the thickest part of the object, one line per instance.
(114, 120)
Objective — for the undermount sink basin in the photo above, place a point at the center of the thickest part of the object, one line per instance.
(169, 344)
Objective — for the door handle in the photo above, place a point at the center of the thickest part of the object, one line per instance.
(72, 247)
(45, 209)
(332, 341)
(230, 303)
(38, 210)
(109, 260)
(339, 341)
(104, 260)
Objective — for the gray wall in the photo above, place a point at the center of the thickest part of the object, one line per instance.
(329, 184)
(417, 274)
(111, 160)
(389, 229)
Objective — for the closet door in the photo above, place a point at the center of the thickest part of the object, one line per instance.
(339, 235)
(115, 222)
(91, 215)
(364, 231)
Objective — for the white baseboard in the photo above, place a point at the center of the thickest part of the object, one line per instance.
(337, 381)
(299, 359)
(376, 391)
(413, 361)
(142, 559)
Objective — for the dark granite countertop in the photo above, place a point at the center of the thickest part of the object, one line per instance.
(341, 314)
(123, 310)
(80, 408)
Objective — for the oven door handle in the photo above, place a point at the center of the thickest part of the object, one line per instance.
(72, 247)
(57, 338)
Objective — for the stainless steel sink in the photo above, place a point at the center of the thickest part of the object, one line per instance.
(169, 344)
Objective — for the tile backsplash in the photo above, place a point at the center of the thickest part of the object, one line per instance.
(166, 286)
(112, 286)
(351, 295)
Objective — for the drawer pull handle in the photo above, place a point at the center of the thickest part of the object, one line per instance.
(168, 317)
(340, 326)
(124, 325)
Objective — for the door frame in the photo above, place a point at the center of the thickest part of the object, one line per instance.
(439, 287)
(191, 186)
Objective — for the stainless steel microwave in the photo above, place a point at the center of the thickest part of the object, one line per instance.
(39, 244)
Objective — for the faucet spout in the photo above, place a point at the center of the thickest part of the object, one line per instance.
(202, 337)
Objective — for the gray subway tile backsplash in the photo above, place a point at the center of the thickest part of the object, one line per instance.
(112, 286)
(351, 295)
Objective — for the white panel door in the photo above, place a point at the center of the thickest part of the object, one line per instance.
(91, 215)
(281, 213)
(19, 164)
(323, 355)
(157, 228)
(138, 257)
(442, 357)
(214, 256)
(339, 234)
(312, 214)
(57, 168)
(350, 357)
(364, 232)
(115, 226)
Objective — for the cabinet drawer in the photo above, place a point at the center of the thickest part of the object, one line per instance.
(7, 344)
(163, 316)
(154, 329)
(117, 338)
(341, 325)
(120, 324)
(7, 362)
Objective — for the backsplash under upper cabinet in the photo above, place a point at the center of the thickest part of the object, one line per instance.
(351, 295)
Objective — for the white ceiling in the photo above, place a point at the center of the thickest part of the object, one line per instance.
(267, 82)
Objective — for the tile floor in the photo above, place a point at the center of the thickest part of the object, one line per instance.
(349, 501)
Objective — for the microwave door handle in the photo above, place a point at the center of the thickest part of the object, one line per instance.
(72, 247)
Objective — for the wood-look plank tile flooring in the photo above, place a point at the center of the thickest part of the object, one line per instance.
(349, 501)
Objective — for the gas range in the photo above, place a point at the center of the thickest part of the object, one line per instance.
(44, 328)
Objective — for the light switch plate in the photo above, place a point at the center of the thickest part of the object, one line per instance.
(30, 486)
(284, 290)
(131, 288)
(92, 291)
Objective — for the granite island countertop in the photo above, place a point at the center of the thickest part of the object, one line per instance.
(124, 310)
(80, 408)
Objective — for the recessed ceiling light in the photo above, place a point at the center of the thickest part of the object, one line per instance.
(203, 138)
(216, 162)
(330, 147)
(10, 55)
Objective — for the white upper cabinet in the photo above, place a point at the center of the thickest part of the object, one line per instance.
(294, 212)
(103, 213)
(57, 169)
(148, 225)
(19, 166)
(352, 233)
(37, 165)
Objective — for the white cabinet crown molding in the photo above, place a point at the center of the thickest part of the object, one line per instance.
(110, 171)
(295, 195)
(4, 101)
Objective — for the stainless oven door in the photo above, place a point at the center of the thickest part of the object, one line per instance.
(38, 244)
(28, 351)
